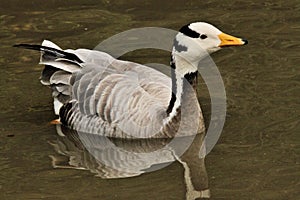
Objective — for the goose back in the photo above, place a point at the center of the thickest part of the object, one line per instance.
(94, 92)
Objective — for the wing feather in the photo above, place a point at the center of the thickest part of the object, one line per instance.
(96, 92)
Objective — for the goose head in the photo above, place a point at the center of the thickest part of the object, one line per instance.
(197, 40)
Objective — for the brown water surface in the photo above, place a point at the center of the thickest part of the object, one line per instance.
(257, 156)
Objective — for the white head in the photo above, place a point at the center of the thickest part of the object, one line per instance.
(196, 40)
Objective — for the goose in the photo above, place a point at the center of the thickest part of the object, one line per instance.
(97, 93)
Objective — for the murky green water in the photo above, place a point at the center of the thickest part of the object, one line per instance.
(257, 156)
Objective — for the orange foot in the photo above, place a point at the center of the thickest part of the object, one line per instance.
(56, 121)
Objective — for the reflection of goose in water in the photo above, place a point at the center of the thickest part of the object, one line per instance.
(121, 158)
(97, 93)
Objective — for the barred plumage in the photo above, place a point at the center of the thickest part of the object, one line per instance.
(94, 92)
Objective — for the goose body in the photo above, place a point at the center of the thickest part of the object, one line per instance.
(96, 93)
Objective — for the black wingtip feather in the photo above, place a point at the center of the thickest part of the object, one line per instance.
(28, 46)
(51, 51)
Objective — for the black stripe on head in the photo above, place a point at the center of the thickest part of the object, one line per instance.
(189, 32)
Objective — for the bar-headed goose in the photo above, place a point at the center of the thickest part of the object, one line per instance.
(94, 92)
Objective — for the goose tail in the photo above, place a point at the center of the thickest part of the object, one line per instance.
(60, 66)
(50, 51)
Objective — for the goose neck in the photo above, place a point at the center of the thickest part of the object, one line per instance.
(184, 75)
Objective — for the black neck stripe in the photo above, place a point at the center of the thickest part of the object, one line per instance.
(190, 77)
(174, 87)
(171, 103)
(189, 32)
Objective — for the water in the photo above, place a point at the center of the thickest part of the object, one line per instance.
(257, 156)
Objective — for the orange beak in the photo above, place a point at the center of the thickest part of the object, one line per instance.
(228, 40)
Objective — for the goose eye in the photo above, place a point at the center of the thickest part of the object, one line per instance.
(203, 36)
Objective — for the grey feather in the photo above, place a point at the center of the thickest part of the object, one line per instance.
(113, 98)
